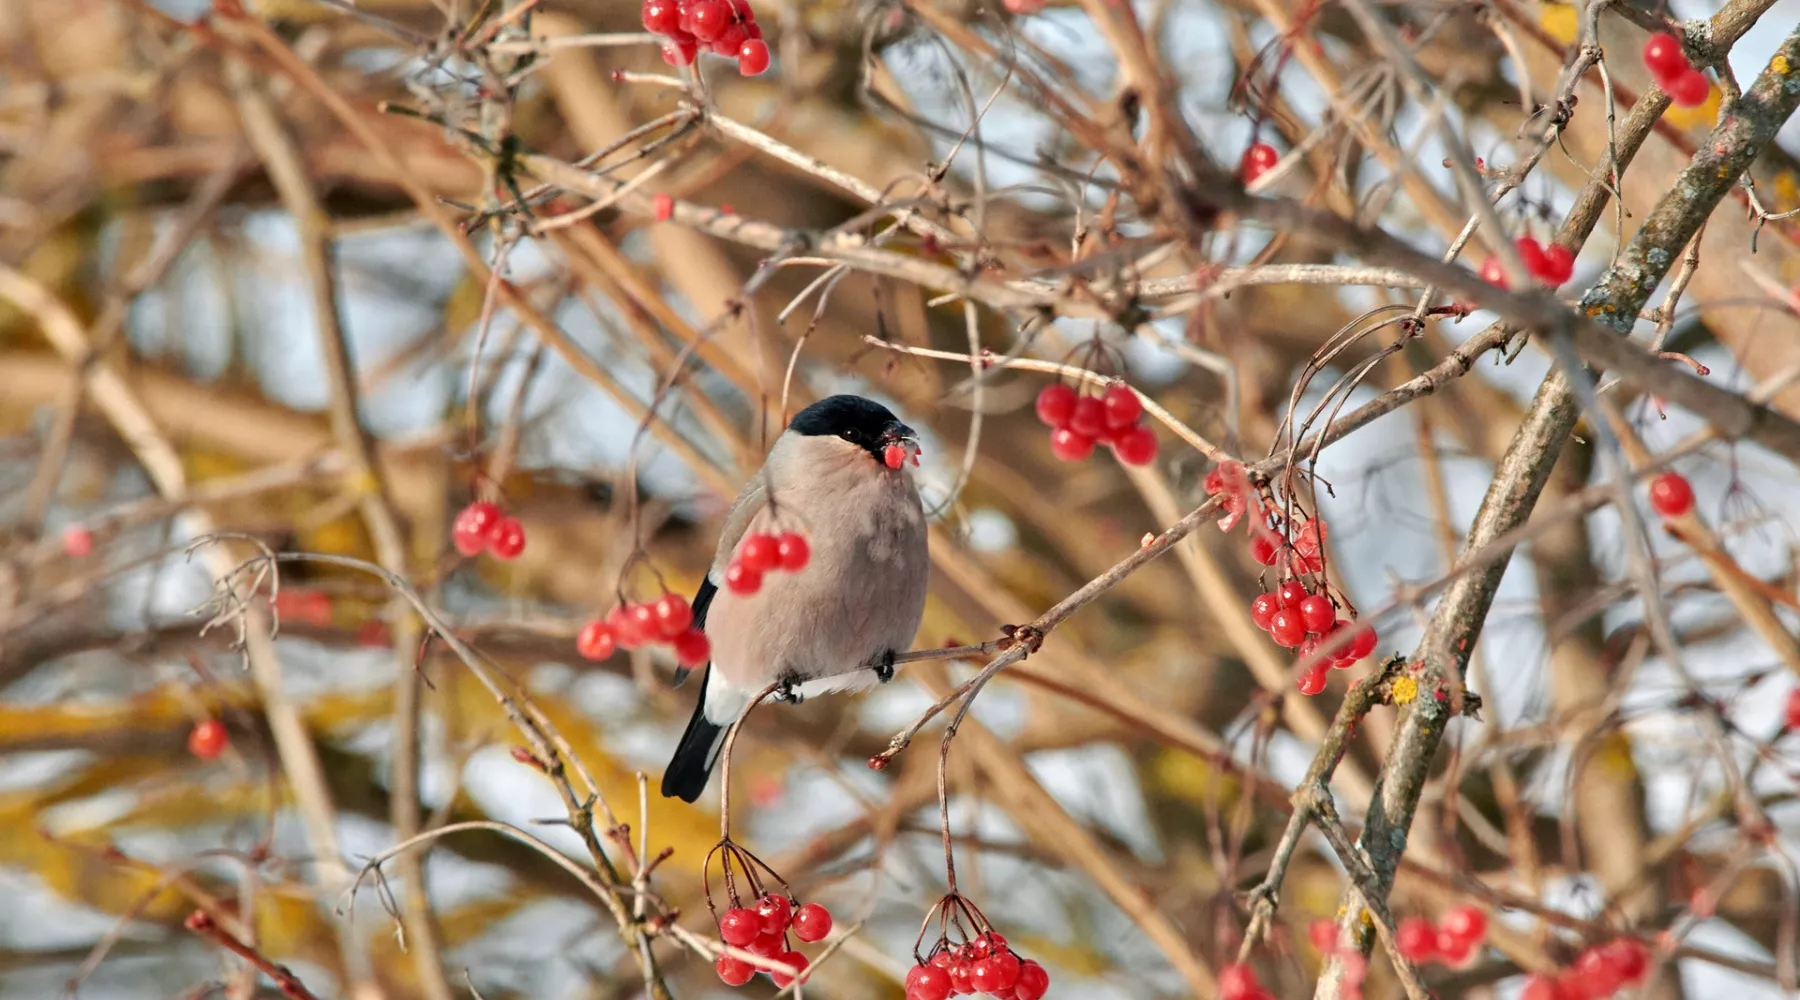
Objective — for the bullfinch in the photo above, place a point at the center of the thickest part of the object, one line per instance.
(835, 624)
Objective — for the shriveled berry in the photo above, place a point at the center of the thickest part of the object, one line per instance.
(1257, 161)
(1416, 940)
(793, 551)
(739, 926)
(77, 542)
(1313, 681)
(692, 648)
(1688, 89)
(760, 552)
(473, 524)
(1317, 613)
(794, 960)
(1287, 628)
(733, 971)
(673, 615)
(1123, 408)
(507, 539)
(1033, 981)
(741, 579)
(208, 739)
(753, 57)
(1311, 538)
(926, 982)
(775, 911)
(1056, 404)
(1290, 593)
(1663, 56)
(1671, 495)
(1262, 610)
(1070, 446)
(595, 641)
(1263, 549)
(1089, 418)
(812, 922)
(1135, 445)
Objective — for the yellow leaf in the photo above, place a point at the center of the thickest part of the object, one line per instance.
(1561, 22)
(1702, 116)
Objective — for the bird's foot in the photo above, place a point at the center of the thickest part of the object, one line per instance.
(788, 689)
(884, 667)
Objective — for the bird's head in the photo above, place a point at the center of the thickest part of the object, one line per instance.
(862, 423)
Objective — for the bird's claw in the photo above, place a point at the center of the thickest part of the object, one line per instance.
(788, 690)
(884, 667)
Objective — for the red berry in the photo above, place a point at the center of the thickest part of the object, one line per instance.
(1544, 988)
(1455, 951)
(706, 18)
(1362, 642)
(1594, 974)
(1317, 613)
(1262, 610)
(1688, 89)
(1671, 495)
(208, 739)
(1663, 56)
(1135, 445)
(961, 976)
(1494, 273)
(1089, 418)
(77, 542)
(303, 605)
(672, 614)
(1466, 922)
(1313, 681)
(1287, 628)
(661, 16)
(1629, 958)
(753, 58)
(1416, 940)
(1531, 254)
(733, 971)
(1237, 982)
(794, 959)
(644, 623)
(1793, 709)
(793, 552)
(760, 552)
(1323, 935)
(728, 43)
(741, 579)
(1056, 404)
(662, 204)
(927, 982)
(507, 539)
(769, 945)
(473, 524)
(739, 926)
(595, 640)
(1257, 161)
(679, 51)
(1122, 406)
(1290, 593)
(692, 648)
(1069, 446)
(1559, 265)
(812, 922)
(775, 911)
(1033, 982)
(893, 456)
(995, 974)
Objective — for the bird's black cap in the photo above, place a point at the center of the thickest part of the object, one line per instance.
(859, 421)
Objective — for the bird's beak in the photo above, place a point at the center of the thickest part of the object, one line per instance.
(899, 433)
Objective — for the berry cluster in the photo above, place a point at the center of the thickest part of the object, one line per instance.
(1078, 422)
(208, 739)
(763, 932)
(1452, 941)
(1598, 972)
(724, 27)
(668, 619)
(1257, 161)
(1671, 495)
(1296, 618)
(985, 964)
(1553, 265)
(1669, 67)
(759, 553)
(1238, 982)
(481, 527)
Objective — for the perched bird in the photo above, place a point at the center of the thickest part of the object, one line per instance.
(836, 477)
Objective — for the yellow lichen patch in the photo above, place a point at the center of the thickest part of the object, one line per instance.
(1406, 690)
(1561, 22)
(1183, 775)
(1785, 192)
(1779, 64)
(1702, 116)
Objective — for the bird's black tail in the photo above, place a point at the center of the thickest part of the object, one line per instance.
(685, 777)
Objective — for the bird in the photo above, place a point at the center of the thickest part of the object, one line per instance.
(837, 623)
